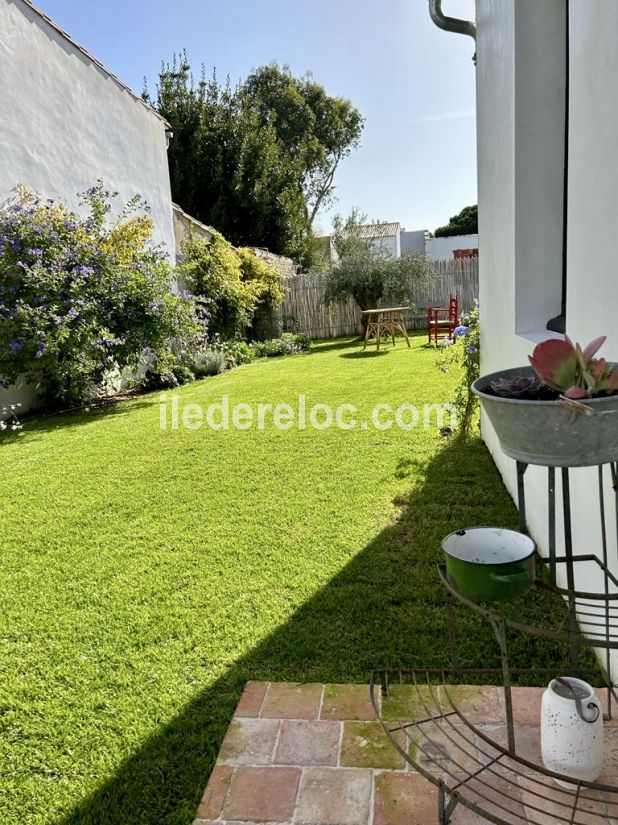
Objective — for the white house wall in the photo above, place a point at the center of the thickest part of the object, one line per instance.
(390, 245)
(441, 249)
(66, 122)
(520, 123)
(412, 241)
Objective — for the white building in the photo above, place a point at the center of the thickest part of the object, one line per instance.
(396, 240)
(67, 120)
(547, 119)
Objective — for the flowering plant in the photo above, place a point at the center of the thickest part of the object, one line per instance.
(462, 354)
(80, 299)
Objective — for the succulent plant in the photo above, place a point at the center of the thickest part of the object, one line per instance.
(517, 387)
(572, 371)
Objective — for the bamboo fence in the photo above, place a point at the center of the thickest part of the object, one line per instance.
(304, 310)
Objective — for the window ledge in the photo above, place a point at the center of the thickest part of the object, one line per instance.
(539, 337)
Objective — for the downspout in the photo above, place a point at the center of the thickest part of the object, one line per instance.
(451, 24)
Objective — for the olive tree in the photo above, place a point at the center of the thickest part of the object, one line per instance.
(367, 271)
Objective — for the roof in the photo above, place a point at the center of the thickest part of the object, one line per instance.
(379, 230)
(94, 60)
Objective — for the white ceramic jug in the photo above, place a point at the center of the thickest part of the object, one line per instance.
(572, 729)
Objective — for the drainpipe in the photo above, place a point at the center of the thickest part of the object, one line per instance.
(451, 24)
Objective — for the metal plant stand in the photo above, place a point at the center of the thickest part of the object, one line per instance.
(468, 762)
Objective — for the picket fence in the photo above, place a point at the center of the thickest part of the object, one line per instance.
(304, 310)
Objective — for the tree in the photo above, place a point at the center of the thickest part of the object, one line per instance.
(256, 161)
(368, 273)
(466, 223)
(322, 130)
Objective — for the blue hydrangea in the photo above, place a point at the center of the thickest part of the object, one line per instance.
(461, 331)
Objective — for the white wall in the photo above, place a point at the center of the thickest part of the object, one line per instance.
(66, 122)
(520, 124)
(412, 240)
(390, 245)
(441, 249)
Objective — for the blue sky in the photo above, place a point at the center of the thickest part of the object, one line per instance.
(413, 82)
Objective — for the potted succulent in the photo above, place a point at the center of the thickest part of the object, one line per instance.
(562, 411)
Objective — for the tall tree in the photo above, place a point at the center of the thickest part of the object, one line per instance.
(321, 129)
(256, 161)
(465, 223)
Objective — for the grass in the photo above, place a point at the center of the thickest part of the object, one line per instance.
(146, 575)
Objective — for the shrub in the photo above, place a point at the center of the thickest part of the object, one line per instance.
(462, 353)
(235, 352)
(234, 282)
(208, 362)
(288, 344)
(80, 299)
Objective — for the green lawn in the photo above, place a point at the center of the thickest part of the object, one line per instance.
(146, 575)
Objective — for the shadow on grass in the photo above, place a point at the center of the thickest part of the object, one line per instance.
(41, 422)
(366, 353)
(384, 609)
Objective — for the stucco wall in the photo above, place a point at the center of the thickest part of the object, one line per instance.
(441, 249)
(412, 241)
(390, 245)
(520, 120)
(66, 122)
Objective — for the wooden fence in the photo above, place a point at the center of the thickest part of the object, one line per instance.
(304, 310)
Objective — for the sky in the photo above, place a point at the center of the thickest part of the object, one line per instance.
(413, 82)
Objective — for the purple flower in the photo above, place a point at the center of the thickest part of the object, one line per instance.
(40, 349)
(38, 253)
(461, 331)
(15, 346)
(16, 246)
(72, 313)
(472, 350)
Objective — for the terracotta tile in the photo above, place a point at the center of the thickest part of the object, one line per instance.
(610, 751)
(481, 704)
(214, 796)
(249, 742)
(442, 749)
(262, 794)
(288, 700)
(334, 796)
(503, 801)
(404, 798)
(546, 804)
(251, 699)
(602, 696)
(527, 742)
(343, 702)
(366, 745)
(308, 742)
(527, 705)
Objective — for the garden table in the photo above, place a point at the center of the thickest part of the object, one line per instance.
(385, 320)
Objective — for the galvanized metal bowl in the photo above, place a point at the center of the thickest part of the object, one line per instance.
(490, 564)
(556, 433)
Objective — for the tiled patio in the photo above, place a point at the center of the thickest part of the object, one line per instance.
(314, 754)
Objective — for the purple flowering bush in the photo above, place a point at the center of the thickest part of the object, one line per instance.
(82, 297)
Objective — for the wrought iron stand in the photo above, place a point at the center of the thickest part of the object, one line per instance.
(442, 740)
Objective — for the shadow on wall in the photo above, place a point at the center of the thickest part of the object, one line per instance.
(387, 599)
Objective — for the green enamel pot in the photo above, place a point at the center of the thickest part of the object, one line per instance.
(490, 564)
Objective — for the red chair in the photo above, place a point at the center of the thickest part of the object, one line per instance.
(441, 321)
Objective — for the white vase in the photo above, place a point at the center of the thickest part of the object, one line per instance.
(572, 736)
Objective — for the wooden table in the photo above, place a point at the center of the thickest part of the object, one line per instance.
(385, 320)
